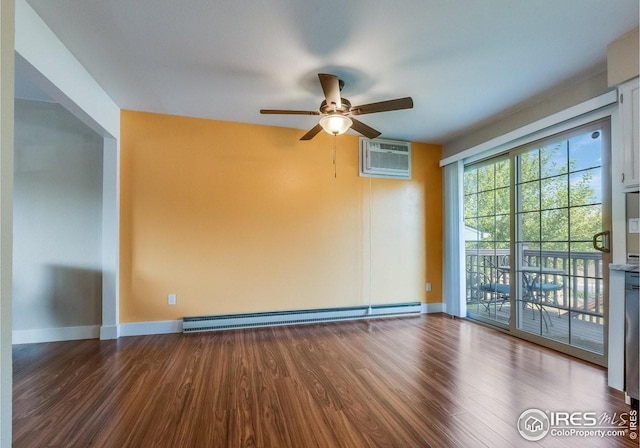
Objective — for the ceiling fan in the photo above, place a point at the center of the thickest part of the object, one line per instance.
(337, 112)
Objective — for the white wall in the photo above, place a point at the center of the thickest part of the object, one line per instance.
(56, 72)
(110, 238)
(57, 272)
(6, 213)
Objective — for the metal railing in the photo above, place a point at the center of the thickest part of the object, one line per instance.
(580, 286)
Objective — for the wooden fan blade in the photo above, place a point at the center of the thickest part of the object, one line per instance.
(289, 112)
(312, 133)
(383, 106)
(331, 88)
(362, 128)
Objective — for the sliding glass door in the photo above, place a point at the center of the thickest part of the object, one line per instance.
(536, 240)
(560, 202)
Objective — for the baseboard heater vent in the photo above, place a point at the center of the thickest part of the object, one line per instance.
(197, 324)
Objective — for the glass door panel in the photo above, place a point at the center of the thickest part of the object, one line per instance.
(487, 235)
(560, 277)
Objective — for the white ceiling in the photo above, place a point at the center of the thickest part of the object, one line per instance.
(462, 61)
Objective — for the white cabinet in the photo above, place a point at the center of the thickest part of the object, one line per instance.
(629, 116)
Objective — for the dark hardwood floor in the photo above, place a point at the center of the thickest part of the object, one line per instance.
(428, 381)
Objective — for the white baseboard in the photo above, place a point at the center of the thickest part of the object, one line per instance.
(433, 308)
(127, 329)
(55, 334)
(109, 332)
(157, 327)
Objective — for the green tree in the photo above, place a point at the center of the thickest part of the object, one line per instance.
(554, 204)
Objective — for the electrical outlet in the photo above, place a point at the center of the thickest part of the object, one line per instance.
(172, 299)
(428, 287)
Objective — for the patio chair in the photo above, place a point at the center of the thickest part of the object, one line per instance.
(545, 289)
(492, 290)
(531, 298)
(541, 291)
(497, 290)
(538, 292)
(501, 283)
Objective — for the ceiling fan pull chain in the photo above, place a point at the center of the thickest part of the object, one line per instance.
(335, 171)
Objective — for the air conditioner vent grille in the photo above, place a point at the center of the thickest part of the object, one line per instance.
(388, 160)
(392, 147)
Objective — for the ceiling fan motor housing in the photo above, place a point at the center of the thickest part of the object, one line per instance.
(343, 109)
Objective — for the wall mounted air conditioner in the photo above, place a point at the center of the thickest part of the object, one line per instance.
(385, 158)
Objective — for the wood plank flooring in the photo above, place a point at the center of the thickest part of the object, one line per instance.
(429, 381)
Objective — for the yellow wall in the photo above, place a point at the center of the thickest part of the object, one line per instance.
(236, 218)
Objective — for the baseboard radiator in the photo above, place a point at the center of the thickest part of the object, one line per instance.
(195, 324)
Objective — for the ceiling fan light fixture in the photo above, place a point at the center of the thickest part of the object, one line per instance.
(334, 110)
(335, 124)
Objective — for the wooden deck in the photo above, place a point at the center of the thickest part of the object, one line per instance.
(557, 324)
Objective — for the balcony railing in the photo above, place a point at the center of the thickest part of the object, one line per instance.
(580, 286)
